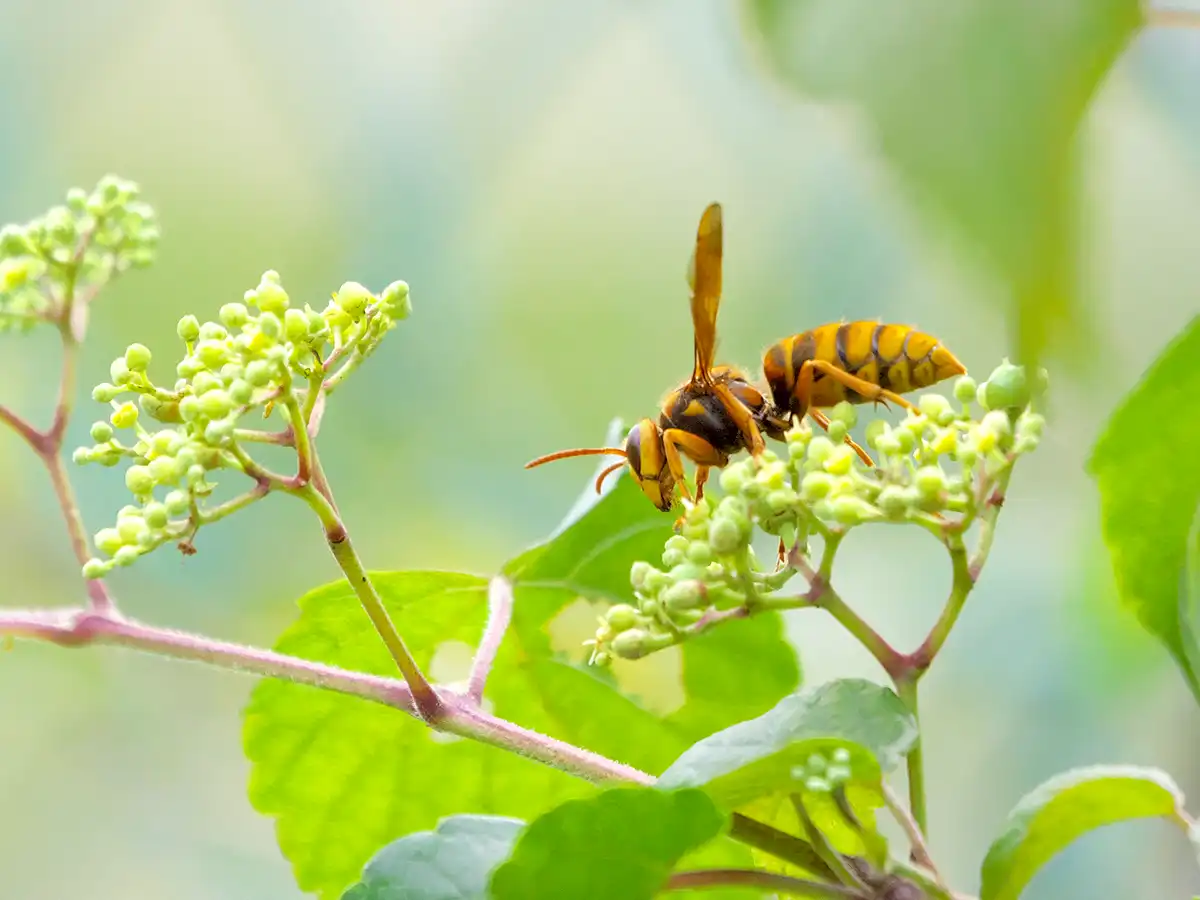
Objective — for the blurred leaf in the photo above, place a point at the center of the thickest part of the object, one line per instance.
(1065, 808)
(454, 862)
(591, 558)
(977, 106)
(622, 843)
(754, 766)
(1150, 494)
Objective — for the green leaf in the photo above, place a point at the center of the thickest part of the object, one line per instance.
(453, 862)
(343, 776)
(1065, 808)
(754, 766)
(977, 107)
(1149, 496)
(755, 758)
(623, 843)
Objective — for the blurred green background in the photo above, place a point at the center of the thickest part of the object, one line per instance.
(535, 171)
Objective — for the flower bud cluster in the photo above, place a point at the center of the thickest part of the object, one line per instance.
(47, 262)
(929, 469)
(824, 773)
(262, 353)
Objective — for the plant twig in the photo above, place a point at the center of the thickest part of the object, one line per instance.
(906, 687)
(75, 627)
(916, 840)
(500, 607)
(824, 849)
(766, 881)
(780, 844)
(429, 704)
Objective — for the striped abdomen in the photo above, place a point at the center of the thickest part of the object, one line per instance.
(897, 358)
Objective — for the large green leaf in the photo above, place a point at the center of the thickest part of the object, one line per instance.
(976, 106)
(623, 843)
(1150, 495)
(453, 862)
(1065, 808)
(755, 765)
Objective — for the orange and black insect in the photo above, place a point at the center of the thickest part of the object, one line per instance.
(710, 417)
(858, 362)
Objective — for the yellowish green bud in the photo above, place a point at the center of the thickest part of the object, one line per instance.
(188, 328)
(137, 357)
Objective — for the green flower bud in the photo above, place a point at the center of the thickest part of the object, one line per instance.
(215, 403)
(139, 480)
(638, 574)
(295, 325)
(188, 328)
(258, 373)
(894, 500)
(102, 432)
(14, 241)
(700, 553)
(126, 555)
(656, 582)
(838, 775)
(845, 413)
(269, 277)
(94, 568)
(119, 371)
(876, 429)
(930, 480)
(838, 432)
(819, 449)
(156, 516)
(906, 441)
(270, 297)
(124, 416)
(107, 540)
(212, 353)
(816, 485)
(965, 389)
(203, 382)
(935, 407)
(162, 410)
(240, 391)
(672, 557)
(1006, 388)
(81, 456)
(165, 469)
(771, 476)
(799, 434)
(219, 430)
(137, 357)
(189, 408)
(815, 785)
(234, 315)
(353, 298)
(167, 442)
(676, 542)
(397, 300)
(270, 326)
(997, 422)
(630, 644)
(781, 500)
(131, 529)
(725, 535)
(684, 595)
(188, 367)
(967, 455)
(839, 461)
(196, 473)
(621, 617)
(850, 509)
(177, 502)
(733, 479)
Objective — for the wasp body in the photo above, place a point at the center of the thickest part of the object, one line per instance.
(711, 416)
(858, 362)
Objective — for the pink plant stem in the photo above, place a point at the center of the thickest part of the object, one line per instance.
(500, 606)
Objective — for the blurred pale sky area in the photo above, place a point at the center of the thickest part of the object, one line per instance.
(535, 170)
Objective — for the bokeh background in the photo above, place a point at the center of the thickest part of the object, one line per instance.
(535, 171)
